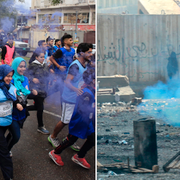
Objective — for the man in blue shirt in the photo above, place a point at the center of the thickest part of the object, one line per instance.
(82, 124)
(72, 89)
(67, 56)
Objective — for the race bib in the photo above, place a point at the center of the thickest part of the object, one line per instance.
(6, 108)
(80, 84)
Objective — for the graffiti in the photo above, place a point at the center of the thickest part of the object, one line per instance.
(135, 61)
(137, 50)
(116, 54)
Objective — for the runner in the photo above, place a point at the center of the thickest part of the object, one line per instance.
(82, 124)
(72, 89)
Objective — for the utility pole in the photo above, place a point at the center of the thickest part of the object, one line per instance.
(76, 24)
(21, 25)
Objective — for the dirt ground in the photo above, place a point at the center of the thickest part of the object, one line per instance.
(114, 124)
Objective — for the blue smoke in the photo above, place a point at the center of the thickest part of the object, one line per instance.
(162, 101)
(7, 24)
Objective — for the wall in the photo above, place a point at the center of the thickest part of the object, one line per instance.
(117, 6)
(137, 45)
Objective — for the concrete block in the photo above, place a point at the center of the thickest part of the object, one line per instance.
(113, 81)
(125, 94)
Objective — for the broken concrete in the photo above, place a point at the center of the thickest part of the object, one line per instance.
(123, 91)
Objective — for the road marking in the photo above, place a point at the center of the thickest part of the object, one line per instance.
(48, 112)
(51, 113)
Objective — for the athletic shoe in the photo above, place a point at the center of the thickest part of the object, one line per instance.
(56, 158)
(81, 161)
(75, 147)
(54, 141)
(43, 130)
(10, 153)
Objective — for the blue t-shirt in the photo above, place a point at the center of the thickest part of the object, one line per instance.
(68, 94)
(56, 48)
(6, 115)
(50, 50)
(82, 121)
(65, 60)
(20, 115)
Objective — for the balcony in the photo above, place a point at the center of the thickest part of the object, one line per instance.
(64, 3)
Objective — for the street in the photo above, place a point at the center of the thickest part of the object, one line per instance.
(30, 155)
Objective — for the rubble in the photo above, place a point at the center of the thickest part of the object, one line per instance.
(119, 120)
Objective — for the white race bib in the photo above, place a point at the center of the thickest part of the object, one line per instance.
(6, 108)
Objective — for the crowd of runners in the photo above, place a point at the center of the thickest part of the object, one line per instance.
(54, 66)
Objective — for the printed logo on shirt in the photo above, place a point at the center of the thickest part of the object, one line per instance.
(81, 83)
(90, 115)
(6, 108)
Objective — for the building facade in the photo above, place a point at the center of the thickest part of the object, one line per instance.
(48, 20)
(64, 14)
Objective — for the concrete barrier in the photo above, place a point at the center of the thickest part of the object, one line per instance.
(123, 91)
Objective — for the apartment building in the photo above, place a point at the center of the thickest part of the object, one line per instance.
(64, 14)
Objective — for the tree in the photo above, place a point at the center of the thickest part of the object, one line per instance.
(55, 2)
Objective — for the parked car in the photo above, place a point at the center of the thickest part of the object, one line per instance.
(21, 48)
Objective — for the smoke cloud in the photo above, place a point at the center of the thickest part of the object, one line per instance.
(162, 101)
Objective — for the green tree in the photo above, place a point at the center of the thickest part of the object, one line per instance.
(55, 2)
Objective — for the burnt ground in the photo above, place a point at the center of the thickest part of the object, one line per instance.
(114, 124)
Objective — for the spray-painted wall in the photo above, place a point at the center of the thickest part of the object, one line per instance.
(137, 45)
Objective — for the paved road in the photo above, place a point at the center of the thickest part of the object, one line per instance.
(30, 155)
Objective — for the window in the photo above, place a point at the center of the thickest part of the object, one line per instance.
(93, 18)
(71, 18)
(50, 18)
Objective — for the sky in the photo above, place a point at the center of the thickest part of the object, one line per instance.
(27, 3)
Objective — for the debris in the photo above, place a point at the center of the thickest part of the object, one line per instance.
(127, 168)
(126, 133)
(107, 130)
(123, 142)
(111, 173)
(173, 163)
(136, 101)
(108, 141)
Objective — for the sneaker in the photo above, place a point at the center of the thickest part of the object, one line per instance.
(54, 141)
(81, 161)
(10, 153)
(43, 130)
(56, 158)
(75, 147)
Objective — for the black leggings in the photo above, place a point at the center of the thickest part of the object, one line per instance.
(70, 140)
(39, 106)
(5, 159)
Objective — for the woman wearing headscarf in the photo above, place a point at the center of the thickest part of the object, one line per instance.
(22, 85)
(7, 99)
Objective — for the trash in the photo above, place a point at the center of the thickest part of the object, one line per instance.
(122, 103)
(157, 123)
(111, 173)
(107, 130)
(126, 133)
(132, 146)
(117, 160)
(108, 141)
(136, 101)
(167, 135)
(123, 142)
